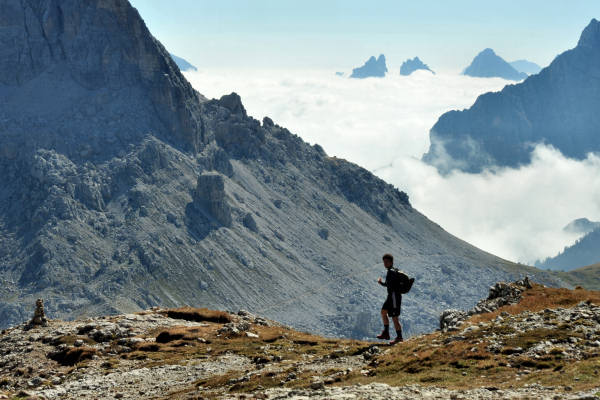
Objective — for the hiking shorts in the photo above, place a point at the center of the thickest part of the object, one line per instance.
(393, 304)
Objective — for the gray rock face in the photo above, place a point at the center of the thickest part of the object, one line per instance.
(488, 64)
(373, 67)
(558, 106)
(409, 66)
(123, 188)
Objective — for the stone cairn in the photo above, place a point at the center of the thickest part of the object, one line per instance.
(39, 316)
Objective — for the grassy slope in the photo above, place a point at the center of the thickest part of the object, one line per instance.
(588, 277)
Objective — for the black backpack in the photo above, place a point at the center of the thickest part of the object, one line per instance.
(401, 283)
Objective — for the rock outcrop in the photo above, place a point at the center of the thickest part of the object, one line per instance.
(487, 64)
(501, 294)
(123, 188)
(373, 68)
(557, 107)
(409, 66)
(210, 195)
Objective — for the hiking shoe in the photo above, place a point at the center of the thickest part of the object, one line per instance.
(384, 335)
(397, 340)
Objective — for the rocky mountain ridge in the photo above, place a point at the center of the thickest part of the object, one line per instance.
(556, 107)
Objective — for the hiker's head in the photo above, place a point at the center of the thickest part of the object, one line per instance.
(388, 260)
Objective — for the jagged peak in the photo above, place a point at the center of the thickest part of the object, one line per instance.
(590, 37)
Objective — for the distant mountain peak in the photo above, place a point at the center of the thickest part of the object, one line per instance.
(409, 66)
(526, 66)
(487, 64)
(581, 226)
(183, 64)
(590, 37)
(374, 67)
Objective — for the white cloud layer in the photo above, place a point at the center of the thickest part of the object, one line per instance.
(383, 125)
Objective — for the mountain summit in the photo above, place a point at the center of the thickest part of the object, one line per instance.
(124, 188)
(488, 64)
(183, 64)
(409, 66)
(373, 67)
(559, 107)
(590, 37)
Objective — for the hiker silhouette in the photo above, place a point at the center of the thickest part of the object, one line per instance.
(397, 283)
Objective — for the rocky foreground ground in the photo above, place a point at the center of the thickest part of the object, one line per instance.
(520, 343)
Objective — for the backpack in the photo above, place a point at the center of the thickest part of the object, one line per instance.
(402, 283)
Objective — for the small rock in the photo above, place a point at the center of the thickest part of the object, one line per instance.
(317, 385)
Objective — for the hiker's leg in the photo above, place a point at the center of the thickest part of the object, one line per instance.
(397, 324)
(398, 327)
(384, 317)
(385, 334)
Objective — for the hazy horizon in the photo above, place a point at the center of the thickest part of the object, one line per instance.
(340, 35)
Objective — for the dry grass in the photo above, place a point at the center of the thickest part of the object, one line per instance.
(198, 315)
(588, 277)
(70, 340)
(539, 298)
(73, 355)
(179, 333)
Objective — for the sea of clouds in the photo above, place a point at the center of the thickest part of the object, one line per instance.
(383, 125)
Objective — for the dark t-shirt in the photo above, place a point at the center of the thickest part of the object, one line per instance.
(391, 280)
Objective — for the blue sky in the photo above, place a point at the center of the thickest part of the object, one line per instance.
(337, 35)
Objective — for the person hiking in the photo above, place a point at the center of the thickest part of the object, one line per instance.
(391, 306)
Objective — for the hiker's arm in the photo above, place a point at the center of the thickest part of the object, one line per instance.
(381, 282)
